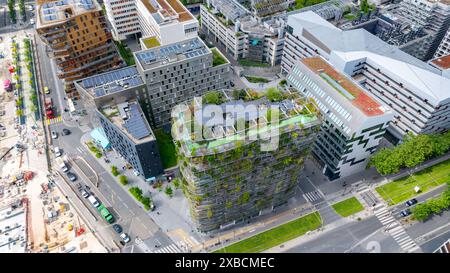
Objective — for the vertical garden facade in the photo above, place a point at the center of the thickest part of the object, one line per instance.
(231, 178)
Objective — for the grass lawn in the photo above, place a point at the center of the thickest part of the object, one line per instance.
(166, 148)
(244, 62)
(151, 42)
(403, 189)
(257, 79)
(275, 236)
(218, 59)
(350, 16)
(348, 207)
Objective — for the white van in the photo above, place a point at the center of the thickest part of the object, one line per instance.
(57, 152)
(94, 201)
(61, 164)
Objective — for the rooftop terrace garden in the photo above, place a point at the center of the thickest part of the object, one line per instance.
(218, 58)
(151, 42)
(299, 4)
(125, 53)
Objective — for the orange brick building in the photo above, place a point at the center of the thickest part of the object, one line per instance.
(78, 38)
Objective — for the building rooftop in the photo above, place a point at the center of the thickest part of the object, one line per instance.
(53, 12)
(162, 55)
(360, 45)
(130, 119)
(167, 10)
(344, 86)
(111, 82)
(442, 63)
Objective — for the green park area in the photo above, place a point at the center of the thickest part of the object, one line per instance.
(348, 207)
(166, 148)
(403, 189)
(257, 79)
(275, 236)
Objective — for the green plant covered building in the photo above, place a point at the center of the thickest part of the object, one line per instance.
(229, 174)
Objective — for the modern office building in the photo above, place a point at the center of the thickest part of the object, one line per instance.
(113, 100)
(179, 71)
(166, 20)
(353, 121)
(434, 17)
(415, 91)
(227, 175)
(130, 135)
(123, 17)
(77, 38)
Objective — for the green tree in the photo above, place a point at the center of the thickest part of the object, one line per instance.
(176, 183)
(274, 95)
(114, 171)
(422, 212)
(123, 180)
(169, 191)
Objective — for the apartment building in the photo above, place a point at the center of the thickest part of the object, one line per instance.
(76, 34)
(130, 135)
(443, 64)
(415, 91)
(179, 71)
(353, 121)
(227, 176)
(434, 17)
(444, 46)
(166, 20)
(232, 27)
(123, 17)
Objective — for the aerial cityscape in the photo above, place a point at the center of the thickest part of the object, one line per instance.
(224, 126)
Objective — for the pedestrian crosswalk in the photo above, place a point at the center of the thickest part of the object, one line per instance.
(184, 246)
(54, 120)
(313, 196)
(394, 228)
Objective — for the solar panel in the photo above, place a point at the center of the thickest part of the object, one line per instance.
(135, 125)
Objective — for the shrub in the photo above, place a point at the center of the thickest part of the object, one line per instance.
(114, 171)
(98, 155)
(123, 180)
(176, 183)
(274, 95)
(169, 191)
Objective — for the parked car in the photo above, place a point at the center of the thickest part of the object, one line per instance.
(94, 201)
(232, 84)
(54, 135)
(71, 176)
(57, 152)
(125, 237)
(405, 213)
(32, 21)
(65, 132)
(85, 194)
(411, 202)
(117, 228)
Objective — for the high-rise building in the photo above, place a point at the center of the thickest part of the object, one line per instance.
(78, 39)
(166, 20)
(123, 17)
(444, 47)
(228, 176)
(177, 72)
(353, 121)
(433, 16)
(415, 91)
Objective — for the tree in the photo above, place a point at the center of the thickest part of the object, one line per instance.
(114, 171)
(176, 183)
(212, 97)
(123, 180)
(422, 212)
(168, 191)
(273, 94)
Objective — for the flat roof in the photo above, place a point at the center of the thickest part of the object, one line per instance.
(442, 63)
(59, 11)
(162, 55)
(169, 9)
(112, 82)
(130, 119)
(344, 86)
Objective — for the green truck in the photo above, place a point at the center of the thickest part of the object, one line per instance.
(106, 214)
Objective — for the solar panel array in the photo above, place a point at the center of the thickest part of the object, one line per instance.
(49, 11)
(190, 48)
(87, 4)
(135, 124)
(114, 81)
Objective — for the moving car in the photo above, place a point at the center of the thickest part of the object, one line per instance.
(71, 176)
(411, 202)
(117, 228)
(405, 213)
(46, 90)
(65, 132)
(125, 237)
(54, 135)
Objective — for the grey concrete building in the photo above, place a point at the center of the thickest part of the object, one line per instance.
(177, 72)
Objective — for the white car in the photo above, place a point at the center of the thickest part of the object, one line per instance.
(125, 237)
(85, 194)
(32, 21)
(57, 152)
(54, 135)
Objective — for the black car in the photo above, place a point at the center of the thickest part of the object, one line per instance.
(411, 202)
(65, 132)
(71, 176)
(405, 212)
(117, 228)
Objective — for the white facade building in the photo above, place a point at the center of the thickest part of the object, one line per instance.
(167, 20)
(417, 93)
(123, 17)
(353, 121)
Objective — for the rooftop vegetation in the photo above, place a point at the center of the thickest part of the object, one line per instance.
(218, 59)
